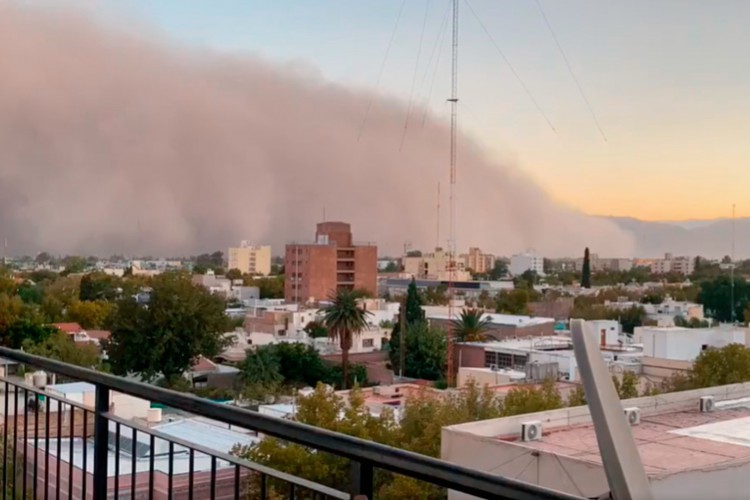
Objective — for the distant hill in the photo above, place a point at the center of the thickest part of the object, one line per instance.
(707, 238)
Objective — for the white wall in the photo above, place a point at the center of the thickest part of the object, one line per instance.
(685, 343)
(523, 262)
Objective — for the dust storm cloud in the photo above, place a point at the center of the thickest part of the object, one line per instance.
(115, 142)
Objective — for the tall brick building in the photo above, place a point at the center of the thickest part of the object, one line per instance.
(333, 262)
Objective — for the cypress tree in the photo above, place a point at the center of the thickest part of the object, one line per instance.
(586, 271)
(414, 315)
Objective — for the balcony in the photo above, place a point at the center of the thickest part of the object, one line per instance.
(58, 446)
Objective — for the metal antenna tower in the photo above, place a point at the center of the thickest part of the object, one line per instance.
(731, 268)
(452, 226)
(437, 233)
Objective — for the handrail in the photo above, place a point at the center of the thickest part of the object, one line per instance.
(432, 470)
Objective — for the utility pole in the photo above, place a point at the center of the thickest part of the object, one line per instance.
(731, 269)
(402, 339)
(452, 223)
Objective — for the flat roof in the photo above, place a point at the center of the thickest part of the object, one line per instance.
(498, 319)
(668, 442)
(540, 343)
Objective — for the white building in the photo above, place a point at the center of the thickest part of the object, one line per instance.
(665, 313)
(435, 266)
(671, 264)
(527, 261)
(685, 344)
(686, 453)
(250, 259)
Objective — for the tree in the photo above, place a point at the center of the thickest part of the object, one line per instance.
(269, 287)
(316, 329)
(471, 326)
(499, 270)
(89, 314)
(181, 322)
(627, 386)
(436, 296)
(99, 286)
(586, 271)
(392, 267)
(716, 297)
(727, 365)
(411, 306)
(652, 298)
(426, 348)
(234, 274)
(61, 347)
(260, 374)
(527, 280)
(531, 399)
(299, 364)
(73, 265)
(515, 301)
(577, 397)
(344, 319)
(44, 258)
(25, 330)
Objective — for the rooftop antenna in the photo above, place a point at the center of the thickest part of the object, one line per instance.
(452, 227)
(731, 268)
(437, 234)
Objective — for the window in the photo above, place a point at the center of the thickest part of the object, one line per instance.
(368, 342)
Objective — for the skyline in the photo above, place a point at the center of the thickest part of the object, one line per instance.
(657, 77)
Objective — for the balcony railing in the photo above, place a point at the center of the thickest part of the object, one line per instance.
(55, 447)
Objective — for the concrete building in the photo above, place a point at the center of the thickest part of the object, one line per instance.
(665, 313)
(685, 344)
(434, 266)
(465, 289)
(477, 261)
(687, 453)
(250, 259)
(501, 326)
(599, 264)
(527, 261)
(671, 264)
(333, 262)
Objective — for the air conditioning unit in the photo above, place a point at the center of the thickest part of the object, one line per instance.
(531, 431)
(633, 415)
(707, 404)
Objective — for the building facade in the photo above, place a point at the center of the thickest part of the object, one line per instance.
(434, 266)
(480, 263)
(671, 264)
(331, 263)
(250, 259)
(527, 261)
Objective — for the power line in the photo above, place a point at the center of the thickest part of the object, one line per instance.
(382, 68)
(570, 70)
(416, 71)
(441, 38)
(510, 66)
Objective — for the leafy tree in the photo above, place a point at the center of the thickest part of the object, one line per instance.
(234, 274)
(299, 364)
(261, 374)
(270, 287)
(515, 301)
(412, 308)
(437, 296)
(471, 326)
(652, 298)
(627, 387)
(499, 270)
(577, 397)
(61, 347)
(716, 297)
(586, 271)
(99, 286)
(44, 258)
(344, 319)
(527, 280)
(691, 323)
(426, 348)
(27, 330)
(73, 264)
(181, 322)
(629, 318)
(726, 365)
(531, 399)
(316, 329)
(392, 267)
(89, 314)
(31, 293)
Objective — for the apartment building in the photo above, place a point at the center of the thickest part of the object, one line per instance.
(477, 261)
(599, 264)
(435, 266)
(527, 261)
(671, 264)
(332, 262)
(250, 259)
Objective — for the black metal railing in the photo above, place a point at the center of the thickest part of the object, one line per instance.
(61, 448)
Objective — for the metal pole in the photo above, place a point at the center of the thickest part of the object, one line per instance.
(101, 442)
(402, 338)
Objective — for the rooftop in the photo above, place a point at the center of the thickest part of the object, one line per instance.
(496, 319)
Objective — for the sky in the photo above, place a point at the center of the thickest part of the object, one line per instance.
(666, 81)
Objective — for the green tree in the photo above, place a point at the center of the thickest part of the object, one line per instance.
(344, 318)
(716, 297)
(61, 347)
(471, 326)
(411, 306)
(515, 301)
(577, 397)
(426, 348)
(234, 274)
(299, 364)
(392, 267)
(527, 280)
(99, 286)
(531, 399)
(269, 287)
(316, 329)
(722, 366)
(73, 264)
(499, 270)
(627, 386)
(261, 374)
(181, 322)
(586, 270)
(436, 296)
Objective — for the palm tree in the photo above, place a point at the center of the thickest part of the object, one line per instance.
(344, 318)
(470, 326)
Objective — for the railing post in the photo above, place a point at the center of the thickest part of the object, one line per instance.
(101, 442)
(361, 480)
